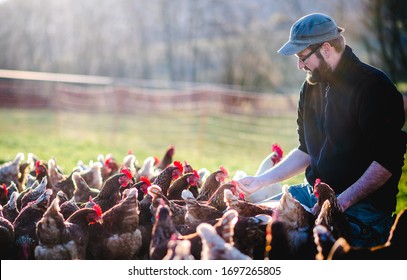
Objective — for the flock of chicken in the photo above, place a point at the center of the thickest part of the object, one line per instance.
(164, 209)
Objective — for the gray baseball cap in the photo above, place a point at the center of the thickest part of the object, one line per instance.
(308, 30)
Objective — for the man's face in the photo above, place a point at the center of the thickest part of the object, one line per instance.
(312, 61)
(320, 72)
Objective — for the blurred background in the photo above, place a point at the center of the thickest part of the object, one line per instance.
(79, 78)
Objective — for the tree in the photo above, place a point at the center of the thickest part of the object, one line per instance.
(387, 20)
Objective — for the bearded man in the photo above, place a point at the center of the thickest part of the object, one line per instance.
(350, 120)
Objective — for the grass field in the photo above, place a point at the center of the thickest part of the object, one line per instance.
(234, 141)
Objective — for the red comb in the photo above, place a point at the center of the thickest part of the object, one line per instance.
(277, 149)
(224, 170)
(127, 172)
(317, 181)
(5, 189)
(145, 180)
(108, 160)
(179, 165)
(98, 210)
(196, 174)
(241, 196)
(156, 160)
(130, 152)
(38, 163)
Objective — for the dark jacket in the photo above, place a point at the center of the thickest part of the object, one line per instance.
(359, 121)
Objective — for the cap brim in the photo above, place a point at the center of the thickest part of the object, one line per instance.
(291, 48)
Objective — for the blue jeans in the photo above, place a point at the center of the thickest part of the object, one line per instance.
(370, 227)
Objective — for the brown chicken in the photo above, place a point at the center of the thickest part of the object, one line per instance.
(163, 231)
(110, 166)
(6, 238)
(245, 208)
(212, 183)
(9, 171)
(214, 247)
(142, 187)
(177, 211)
(109, 195)
(299, 224)
(197, 212)
(166, 160)
(35, 193)
(179, 250)
(217, 199)
(68, 207)
(61, 239)
(187, 181)
(82, 190)
(55, 174)
(25, 226)
(332, 217)
(118, 236)
(93, 175)
(66, 185)
(41, 172)
(10, 210)
(168, 175)
(250, 235)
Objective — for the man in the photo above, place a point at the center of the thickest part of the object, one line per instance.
(350, 117)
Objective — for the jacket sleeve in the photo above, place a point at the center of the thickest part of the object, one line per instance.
(381, 118)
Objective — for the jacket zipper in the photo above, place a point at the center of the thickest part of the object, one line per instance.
(327, 88)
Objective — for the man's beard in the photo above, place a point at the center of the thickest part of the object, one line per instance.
(321, 73)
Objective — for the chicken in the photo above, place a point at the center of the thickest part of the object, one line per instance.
(198, 212)
(9, 171)
(82, 190)
(214, 247)
(33, 194)
(212, 183)
(41, 171)
(393, 249)
(3, 194)
(109, 195)
(118, 236)
(10, 210)
(268, 162)
(142, 187)
(324, 240)
(110, 166)
(250, 235)
(130, 162)
(6, 237)
(217, 199)
(168, 175)
(272, 159)
(25, 226)
(187, 181)
(163, 231)
(66, 185)
(67, 208)
(147, 169)
(166, 160)
(330, 215)
(93, 175)
(55, 174)
(50, 233)
(278, 246)
(299, 223)
(179, 250)
(245, 208)
(177, 211)
(24, 170)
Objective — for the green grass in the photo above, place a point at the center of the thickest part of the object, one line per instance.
(234, 141)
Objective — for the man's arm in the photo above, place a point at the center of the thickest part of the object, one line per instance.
(294, 163)
(373, 178)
